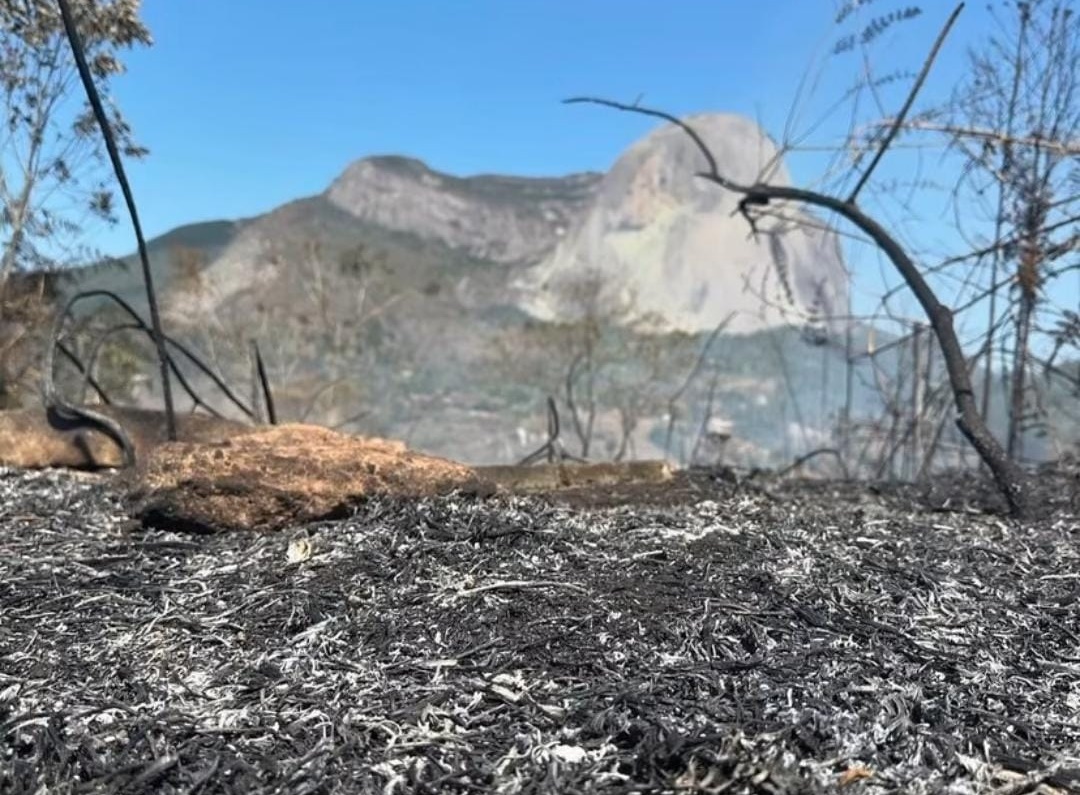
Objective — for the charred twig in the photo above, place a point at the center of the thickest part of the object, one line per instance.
(187, 352)
(88, 378)
(57, 408)
(264, 382)
(553, 447)
(114, 155)
(548, 447)
(95, 351)
(583, 431)
(512, 585)
(798, 462)
(898, 122)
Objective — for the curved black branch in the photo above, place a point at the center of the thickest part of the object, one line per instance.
(1013, 482)
(88, 378)
(798, 462)
(56, 408)
(102, 338)
(549, 446)
(188, 354)
(202, 367)
(78, 52)
(553, 419)
(552, 448)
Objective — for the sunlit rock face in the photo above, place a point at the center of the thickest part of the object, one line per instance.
(678, 247)
(496, 218)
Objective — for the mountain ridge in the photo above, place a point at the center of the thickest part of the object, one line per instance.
(649, 223)
(504, 218)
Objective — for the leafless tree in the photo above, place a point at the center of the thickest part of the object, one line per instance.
(601, 357)
(1013, 481)
(321, 318)
(1011, 129)
(1016, 122)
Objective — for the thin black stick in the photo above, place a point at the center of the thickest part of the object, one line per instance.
(88, 378)
(548, 447)
(552, 448)
(798, 462)
(268, 397)
(78, 52)
(886, 142)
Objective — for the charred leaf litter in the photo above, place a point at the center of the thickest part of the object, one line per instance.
(713, 636)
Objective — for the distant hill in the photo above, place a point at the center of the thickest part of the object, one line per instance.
(123, 275)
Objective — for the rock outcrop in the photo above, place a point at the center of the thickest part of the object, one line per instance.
(495, 218)
(665, 236)
(674, 243)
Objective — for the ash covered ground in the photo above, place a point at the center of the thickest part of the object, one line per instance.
(711, 635)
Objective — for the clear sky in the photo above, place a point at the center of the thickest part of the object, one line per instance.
(246, 104)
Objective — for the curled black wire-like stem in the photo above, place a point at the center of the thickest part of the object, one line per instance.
(187, 352)
(57, 408)
(102, 338)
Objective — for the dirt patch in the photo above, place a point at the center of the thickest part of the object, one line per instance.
(750, 636)
(274, 477)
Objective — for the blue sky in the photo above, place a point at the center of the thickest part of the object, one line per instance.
(246, 104)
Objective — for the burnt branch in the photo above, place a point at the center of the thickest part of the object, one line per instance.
(894, 128)
(807, 457)
(99, 342)
(180, 347)
(1013, 482)
(88, 378)
(79, 54)
(60, 411)
(552, 449)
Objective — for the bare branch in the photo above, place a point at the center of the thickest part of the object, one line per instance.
(895, 128)
(57, 409)
(114, 155)
(798, 462)
(1068, 148)
(1012, 481)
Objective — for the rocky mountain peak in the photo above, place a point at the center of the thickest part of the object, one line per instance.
(673, 242)
(496, 218)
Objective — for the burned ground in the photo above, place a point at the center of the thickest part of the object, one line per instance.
(714, 634)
